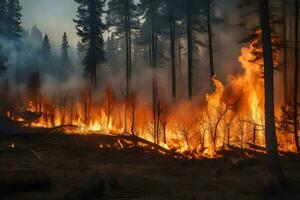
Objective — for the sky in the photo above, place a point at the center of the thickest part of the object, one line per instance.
(53, 17)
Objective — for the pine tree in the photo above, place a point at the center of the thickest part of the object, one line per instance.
(65, 48)
(81, 48)
(122, 15)
(90, 29)
(36, 35)
(3, 11)
(46, 48)
(13, 19)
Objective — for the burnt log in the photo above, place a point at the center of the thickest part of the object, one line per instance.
(136, 139)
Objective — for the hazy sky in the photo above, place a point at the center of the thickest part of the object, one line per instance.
(52, 16)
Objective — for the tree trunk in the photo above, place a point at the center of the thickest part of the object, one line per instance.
(172, 39)
(190, 50)
(285, 83)
(296, 77)
(154, 75)
(128, 48)
(270, 135)
(179, 60)
(210, 45)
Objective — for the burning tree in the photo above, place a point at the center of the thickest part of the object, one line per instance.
(34, 91)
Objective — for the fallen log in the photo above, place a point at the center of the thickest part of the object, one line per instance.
(136, 139)
(260, 148)
(60, 127)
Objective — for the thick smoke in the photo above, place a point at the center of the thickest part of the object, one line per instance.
(24, 58)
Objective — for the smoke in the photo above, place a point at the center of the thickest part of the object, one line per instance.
(24, 58)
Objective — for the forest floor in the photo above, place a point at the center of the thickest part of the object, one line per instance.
(75, 167)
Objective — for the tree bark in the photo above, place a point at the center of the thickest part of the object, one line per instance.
(172, 37)
(296, 77)
(285, 83)
(190, 51)
(273, 162)
(154, 75)
(210, 45)
(128, 48)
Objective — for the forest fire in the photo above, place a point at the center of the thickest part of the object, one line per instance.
(149, 99)
(232, 115)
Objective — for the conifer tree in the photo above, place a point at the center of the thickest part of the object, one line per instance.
(36, 35)
(90, 28)
(46, 47)
(65, 50)
(13, 20)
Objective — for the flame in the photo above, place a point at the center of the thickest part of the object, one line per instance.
(233, 115)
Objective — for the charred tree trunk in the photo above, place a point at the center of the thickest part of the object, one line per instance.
(210, 45)
(172, 39)
(228, 135)
(128, 48)
(271, 140)
(285, 83)
(190, 50)
(93, 43)
(296, 76)
(72, 111)
(153, 63)
(133, 117)
(179, 59)
(254, 135)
